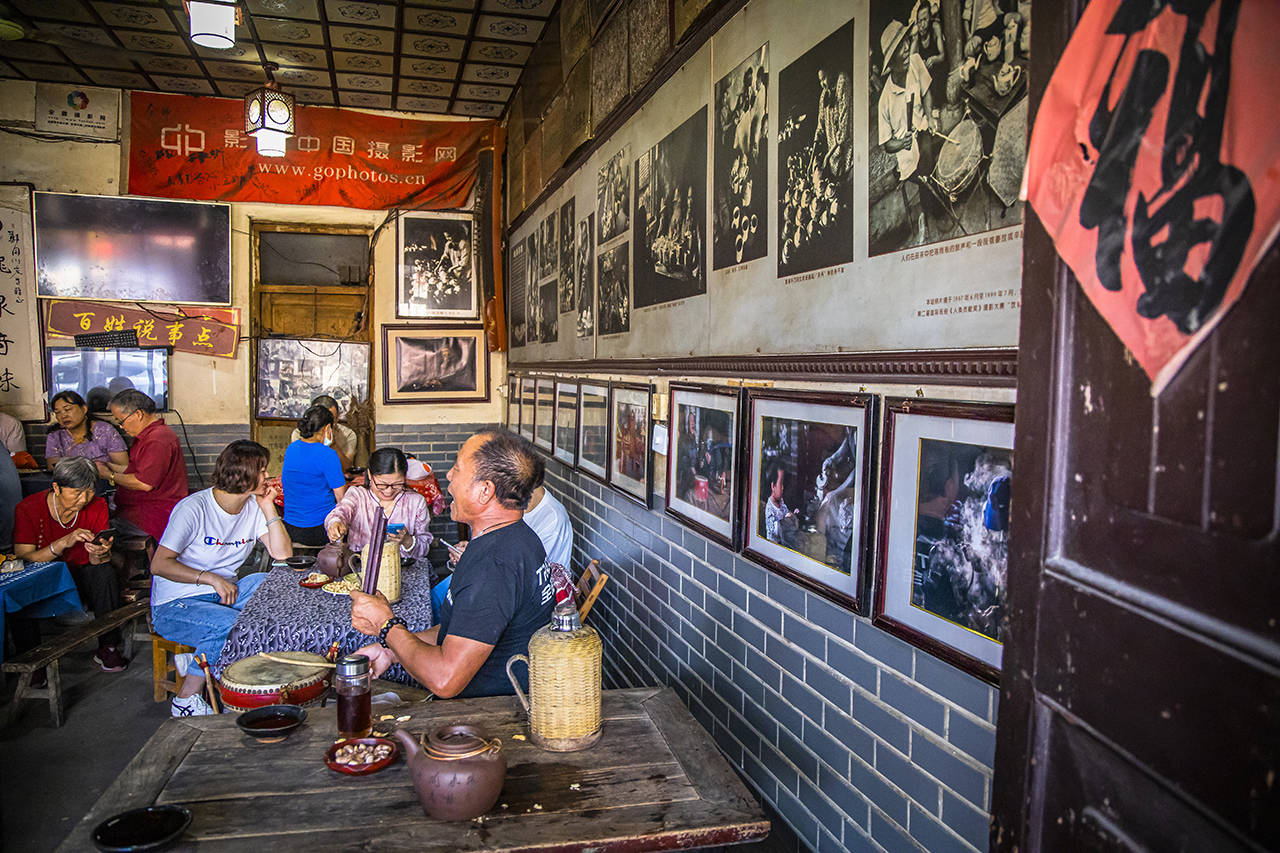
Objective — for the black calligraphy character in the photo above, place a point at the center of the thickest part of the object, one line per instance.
(6, 381)
(5, 309)
(4, 343)
(1166, 227)
(1190, 169)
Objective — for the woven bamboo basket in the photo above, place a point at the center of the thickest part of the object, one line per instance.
(564, 688)
(389, 573)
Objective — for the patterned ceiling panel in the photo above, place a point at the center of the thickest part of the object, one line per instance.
(461, 57)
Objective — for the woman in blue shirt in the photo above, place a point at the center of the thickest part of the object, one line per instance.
(312, 478)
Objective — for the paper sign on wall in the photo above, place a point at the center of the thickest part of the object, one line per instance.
(21, 379)
(1152, 168)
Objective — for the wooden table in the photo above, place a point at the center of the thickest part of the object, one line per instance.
(655, 781)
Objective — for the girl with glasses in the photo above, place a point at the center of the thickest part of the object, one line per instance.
(353, 516)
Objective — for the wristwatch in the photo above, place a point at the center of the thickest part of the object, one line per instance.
(386, 629)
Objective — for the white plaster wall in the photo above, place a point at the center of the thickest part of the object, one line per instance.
(216, 390)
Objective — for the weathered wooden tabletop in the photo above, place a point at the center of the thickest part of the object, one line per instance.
(655, 781)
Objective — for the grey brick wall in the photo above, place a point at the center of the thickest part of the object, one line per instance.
(856, 739)
(201, 444)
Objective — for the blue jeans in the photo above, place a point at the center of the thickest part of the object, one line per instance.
(438, 593)
(202, 620)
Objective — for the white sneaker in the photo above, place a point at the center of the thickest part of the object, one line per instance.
(191, 706)
(182, 662)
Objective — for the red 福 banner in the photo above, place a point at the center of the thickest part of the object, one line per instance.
(1153, 168)
(188, 147)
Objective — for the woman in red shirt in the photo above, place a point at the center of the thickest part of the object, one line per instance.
(61, 523)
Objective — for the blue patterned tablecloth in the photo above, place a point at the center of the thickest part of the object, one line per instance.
(39, 590)
(282, 616)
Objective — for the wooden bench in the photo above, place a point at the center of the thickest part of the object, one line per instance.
(47, 654)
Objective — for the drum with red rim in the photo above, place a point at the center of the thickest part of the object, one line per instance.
(257, 681)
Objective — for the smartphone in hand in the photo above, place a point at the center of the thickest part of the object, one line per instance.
(393, 529)
(103, 536)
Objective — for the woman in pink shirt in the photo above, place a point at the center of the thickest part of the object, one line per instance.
(353, 516)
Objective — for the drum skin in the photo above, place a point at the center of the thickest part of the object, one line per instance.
(257, 681)
(959, 158)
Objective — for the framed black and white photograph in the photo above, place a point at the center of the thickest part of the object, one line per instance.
(548, 312)
(740, 169)
(527, 391)
(585, 308)
(544, 413)
(671, 216)
(593, 430)
(516, 289)
(292, 372)
(806, 505)
(815, 157)
(942, 565)
(548, 251)
(702, 459)
(567, 291)
(948, 121)
(434, 364)
(437, 267)
(566, 443)
(629, 440)
(533, 296)
(613, 196)
(513, 402)
(613, 290)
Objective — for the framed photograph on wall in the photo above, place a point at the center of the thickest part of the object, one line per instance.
(629, 470)
(513, 402)
(437, 279)
(593, 430)
(805, 509)
(291, 372)
(544, 413)
(566, 443)
(434, 364)
(526, 406)
(943, 555)
(702, 459)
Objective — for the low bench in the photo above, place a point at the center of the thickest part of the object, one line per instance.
(47, 654)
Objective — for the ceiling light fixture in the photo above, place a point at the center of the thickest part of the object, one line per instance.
(213, 23)
(269, 117)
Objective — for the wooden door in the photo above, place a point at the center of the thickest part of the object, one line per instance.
(1140, 704)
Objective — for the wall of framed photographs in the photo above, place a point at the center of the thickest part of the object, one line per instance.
(895, 507)
(765, 199)
(828, 558)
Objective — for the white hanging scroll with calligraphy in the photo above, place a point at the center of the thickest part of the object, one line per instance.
(21, 383)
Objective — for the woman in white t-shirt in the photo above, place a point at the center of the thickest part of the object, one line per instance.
(195, 597)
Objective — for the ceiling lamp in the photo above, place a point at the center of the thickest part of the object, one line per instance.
(269, 118)
(213, 23)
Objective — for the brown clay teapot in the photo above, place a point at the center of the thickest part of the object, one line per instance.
(334, 559)
(459, 775)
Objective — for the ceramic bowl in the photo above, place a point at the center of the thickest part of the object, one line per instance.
(151, 828)
(363, 769)
(271, 723)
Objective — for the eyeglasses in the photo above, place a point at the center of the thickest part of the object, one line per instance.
(389, 488)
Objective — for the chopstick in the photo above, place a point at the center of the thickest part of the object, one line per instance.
(209, 685)
(373, 552)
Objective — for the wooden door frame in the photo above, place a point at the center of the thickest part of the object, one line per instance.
(364, 335)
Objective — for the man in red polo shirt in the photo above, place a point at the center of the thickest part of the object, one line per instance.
(155, 478)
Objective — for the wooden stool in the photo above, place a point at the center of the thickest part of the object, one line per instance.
(162, 663)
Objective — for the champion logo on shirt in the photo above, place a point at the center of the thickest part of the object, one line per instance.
(213, 540)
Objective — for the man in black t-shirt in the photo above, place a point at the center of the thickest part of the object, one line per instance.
(501, 591)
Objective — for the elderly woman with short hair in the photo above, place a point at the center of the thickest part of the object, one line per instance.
(67, 522)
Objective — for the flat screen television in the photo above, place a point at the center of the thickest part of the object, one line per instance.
(98, 374)
(132, 249)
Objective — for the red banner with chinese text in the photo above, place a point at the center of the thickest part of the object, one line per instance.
(181, 146)
(214, 331)
(1152, 166)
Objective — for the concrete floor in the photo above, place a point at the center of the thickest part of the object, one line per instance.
(49, 778)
